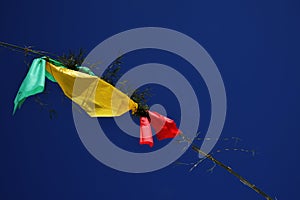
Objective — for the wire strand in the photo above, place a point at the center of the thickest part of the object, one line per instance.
(26, 50)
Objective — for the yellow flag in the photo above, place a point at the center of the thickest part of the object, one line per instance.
(97, 97)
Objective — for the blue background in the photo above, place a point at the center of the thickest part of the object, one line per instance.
(255, 45)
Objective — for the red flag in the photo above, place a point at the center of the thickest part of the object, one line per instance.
(163, 126)
(145, 132)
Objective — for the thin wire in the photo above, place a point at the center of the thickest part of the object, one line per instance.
(26, 50)
(227, 168)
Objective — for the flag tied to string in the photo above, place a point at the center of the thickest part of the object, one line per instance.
(163, 126)
(95, 96)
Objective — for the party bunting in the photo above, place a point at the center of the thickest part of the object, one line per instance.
(34, 83)
(97, 97)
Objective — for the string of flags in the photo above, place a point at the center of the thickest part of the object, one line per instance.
(101, 101)
(94, 95)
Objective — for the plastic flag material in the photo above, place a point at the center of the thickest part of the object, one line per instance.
(33, 83)
(163, 126)
(97, 97)
(145, 132)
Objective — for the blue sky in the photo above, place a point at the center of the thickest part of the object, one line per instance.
(255, 45)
